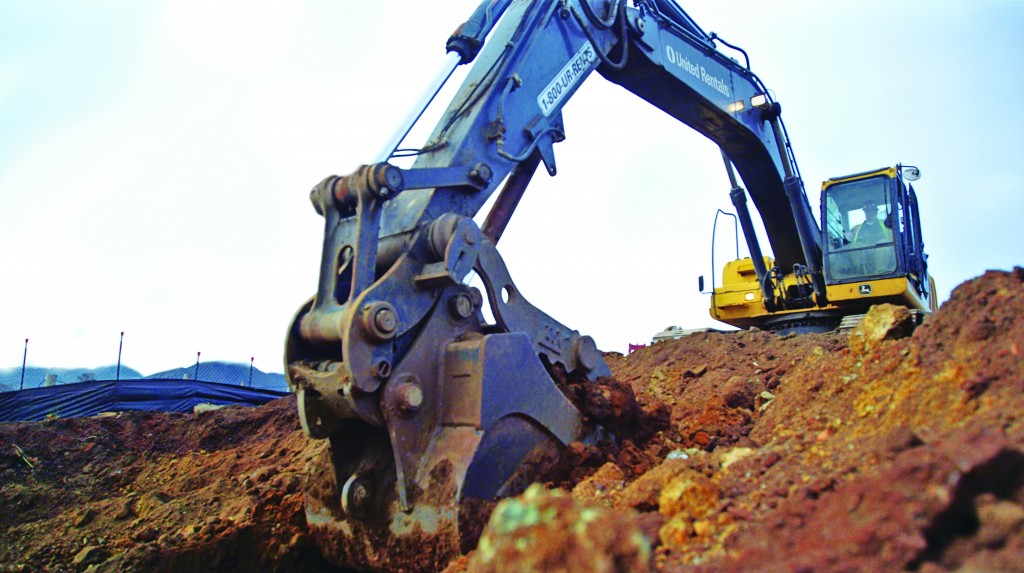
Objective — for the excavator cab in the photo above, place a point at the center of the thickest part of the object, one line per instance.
(871, 227)
(872, 237)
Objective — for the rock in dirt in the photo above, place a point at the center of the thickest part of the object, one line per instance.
(547, 530)
(89, 555)
(882, 322)
(84, 517)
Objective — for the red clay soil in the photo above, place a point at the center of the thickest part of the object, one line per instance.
(879, 450)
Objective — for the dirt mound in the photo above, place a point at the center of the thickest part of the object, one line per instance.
(875, 450)
(141, 491)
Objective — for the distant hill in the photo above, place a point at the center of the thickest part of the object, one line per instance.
(35, 376)
(227, 373)
(223, 372)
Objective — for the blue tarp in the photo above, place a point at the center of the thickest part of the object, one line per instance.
(93, 397)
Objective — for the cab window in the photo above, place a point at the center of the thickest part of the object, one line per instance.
(859, 220)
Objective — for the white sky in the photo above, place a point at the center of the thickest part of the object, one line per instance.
(156, 159)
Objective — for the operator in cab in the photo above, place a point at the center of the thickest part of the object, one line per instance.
(872, 239)
(867, 248)
(873, 230)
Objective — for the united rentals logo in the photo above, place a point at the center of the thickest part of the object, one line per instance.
(697, 71)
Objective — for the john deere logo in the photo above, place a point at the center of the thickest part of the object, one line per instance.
(864, 289)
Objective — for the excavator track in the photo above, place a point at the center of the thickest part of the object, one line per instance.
(809, 322)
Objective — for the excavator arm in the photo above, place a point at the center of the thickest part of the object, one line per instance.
(675, 66)
(432, 412)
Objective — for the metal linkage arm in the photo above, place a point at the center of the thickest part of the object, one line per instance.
(514, 313)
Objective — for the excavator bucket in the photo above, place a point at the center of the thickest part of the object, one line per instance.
(430, 413)
(415, 493)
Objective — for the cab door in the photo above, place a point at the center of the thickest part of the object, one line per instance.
(916, 261)
(863, 218)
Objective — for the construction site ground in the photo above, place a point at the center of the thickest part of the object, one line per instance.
(885, 449)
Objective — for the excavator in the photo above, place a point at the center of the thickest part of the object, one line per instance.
(432, 408)
(868, 251)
